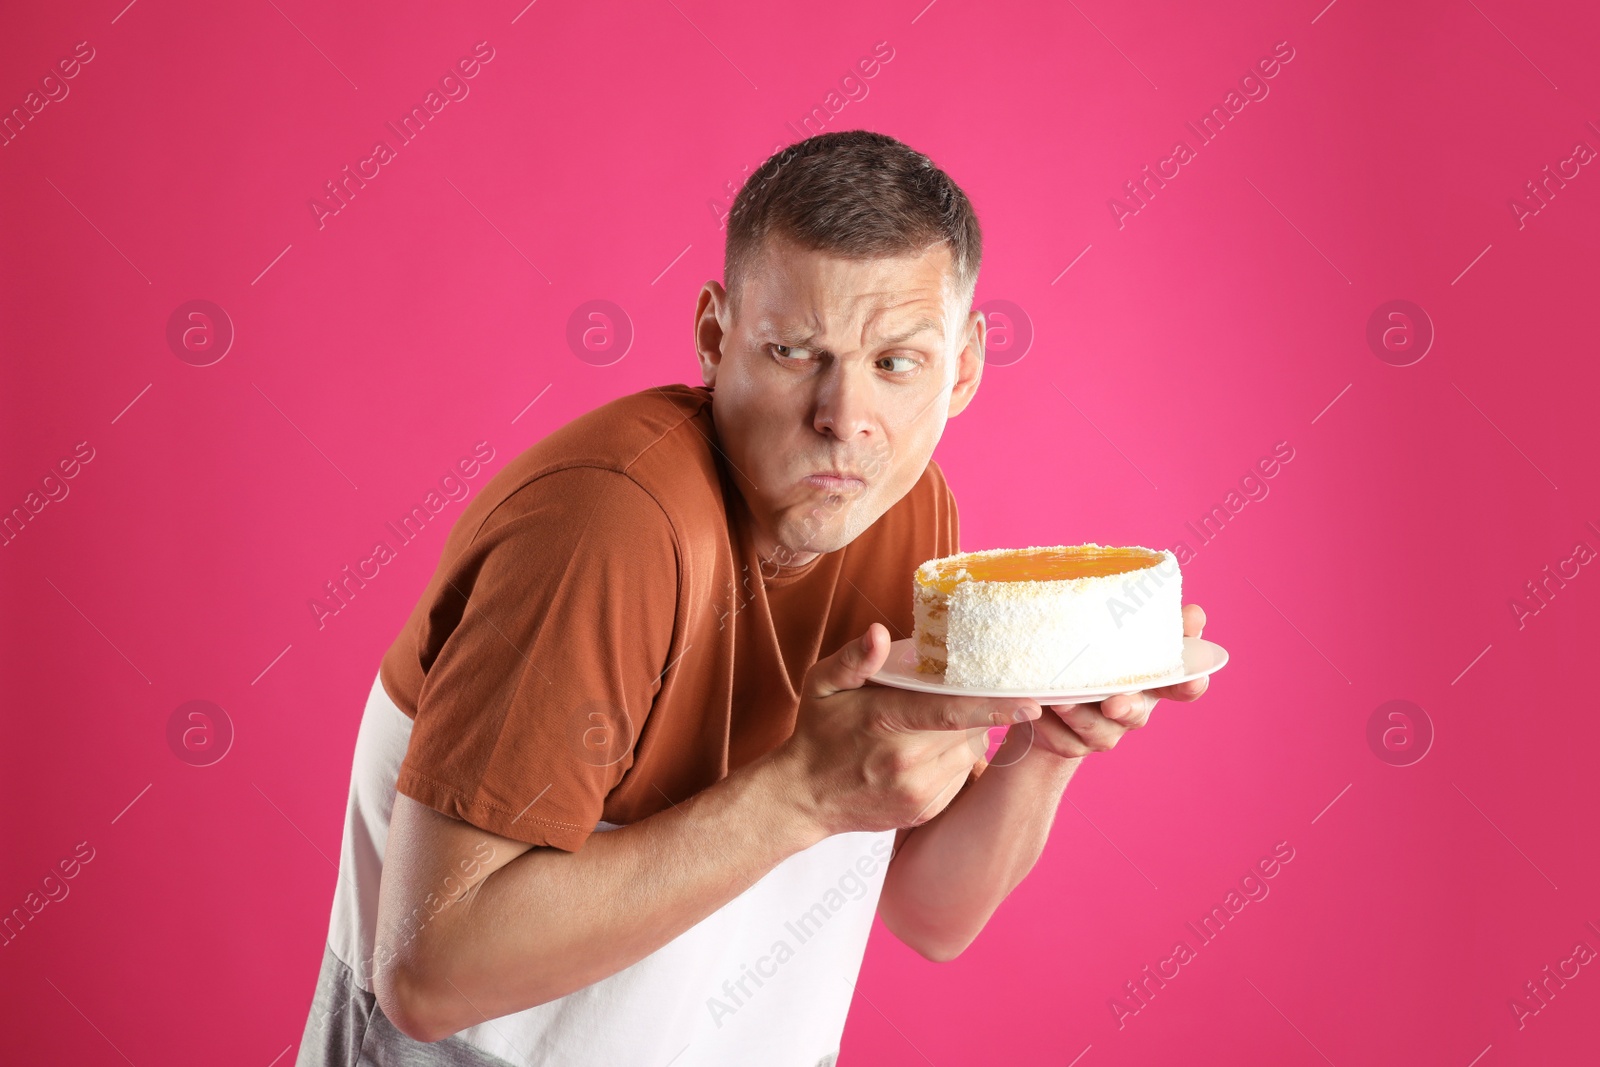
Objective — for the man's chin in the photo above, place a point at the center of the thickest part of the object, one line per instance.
(803, 538)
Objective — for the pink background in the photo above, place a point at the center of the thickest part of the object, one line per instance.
(588, 162)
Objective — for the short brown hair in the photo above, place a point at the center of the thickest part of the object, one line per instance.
(857, 194)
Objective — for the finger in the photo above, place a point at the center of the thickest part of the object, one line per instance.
(1052, 734)
(977, 740)
(1018, 742)
(852, 665)
(1183, 690)
(1099, 733)
(1194, 620)
(970, 744)
(926, 711)
(1129, 710)
(952, 772)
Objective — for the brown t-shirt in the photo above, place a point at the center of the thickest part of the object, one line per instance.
(599, 641)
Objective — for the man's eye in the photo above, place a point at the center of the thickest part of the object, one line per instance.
(907, 359)
(784, 351)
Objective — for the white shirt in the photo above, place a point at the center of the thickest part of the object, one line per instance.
(765, 979)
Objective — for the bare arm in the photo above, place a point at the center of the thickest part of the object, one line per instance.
(949, 875)
(472, 926)
(533, 924)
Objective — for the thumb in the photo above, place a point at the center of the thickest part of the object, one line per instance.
(852, 665)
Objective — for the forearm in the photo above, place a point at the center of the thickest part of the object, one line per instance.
(550, 922)
(952, 872)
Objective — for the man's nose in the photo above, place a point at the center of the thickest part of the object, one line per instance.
(844, 403)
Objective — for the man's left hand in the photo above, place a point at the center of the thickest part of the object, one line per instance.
(1078, 729)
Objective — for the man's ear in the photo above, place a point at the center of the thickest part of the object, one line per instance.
(969, 364)
(710, 310)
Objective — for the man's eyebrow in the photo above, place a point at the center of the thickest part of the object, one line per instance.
(796, 336)
(917, 327)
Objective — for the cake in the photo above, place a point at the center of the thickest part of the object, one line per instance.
(1048, 618)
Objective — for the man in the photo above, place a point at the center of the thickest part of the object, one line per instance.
(621, 793)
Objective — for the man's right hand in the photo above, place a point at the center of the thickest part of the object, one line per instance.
(529, 924)
(872, 757)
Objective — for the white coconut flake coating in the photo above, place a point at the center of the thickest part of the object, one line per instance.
(1059, 634)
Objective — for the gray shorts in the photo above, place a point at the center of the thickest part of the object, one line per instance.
(346, 1028)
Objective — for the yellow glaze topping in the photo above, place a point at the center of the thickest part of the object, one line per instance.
(1041, 565)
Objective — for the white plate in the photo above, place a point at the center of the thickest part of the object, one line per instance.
(1200, 658)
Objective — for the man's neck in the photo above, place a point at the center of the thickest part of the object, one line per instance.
(769, 551)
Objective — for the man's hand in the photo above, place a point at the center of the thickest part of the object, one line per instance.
(1079, 729)
(870, 757)
(530, 924)
(948, 876)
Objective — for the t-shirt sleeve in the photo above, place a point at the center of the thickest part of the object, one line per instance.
(552, 628)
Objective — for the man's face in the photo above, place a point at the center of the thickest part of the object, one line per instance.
(834, 365)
